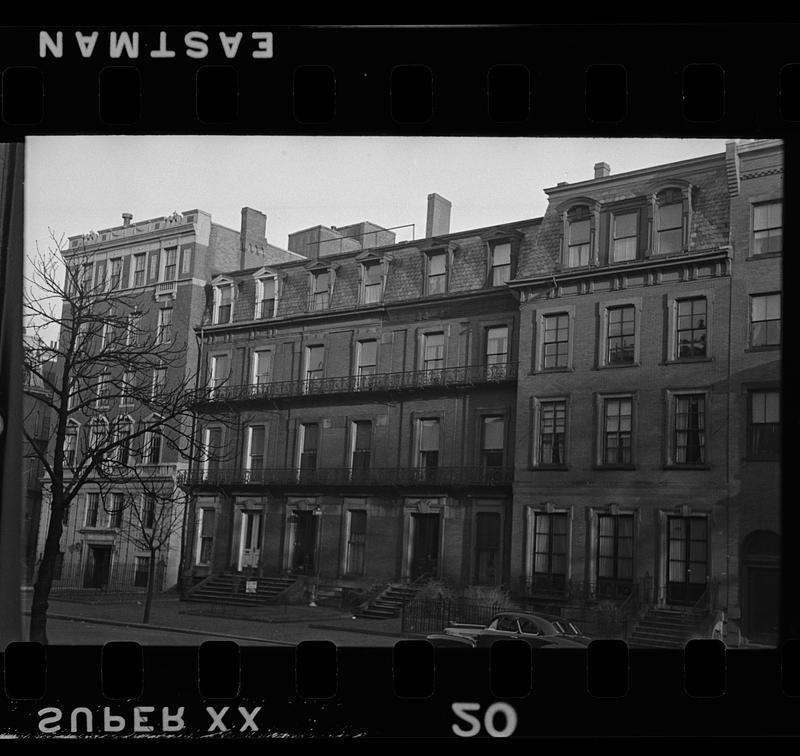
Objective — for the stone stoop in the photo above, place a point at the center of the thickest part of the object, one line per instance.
(390, 603)
(229, 588)
(664, 628)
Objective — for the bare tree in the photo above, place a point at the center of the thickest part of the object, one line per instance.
(121, 397)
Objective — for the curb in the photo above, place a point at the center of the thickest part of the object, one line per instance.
(361, 631)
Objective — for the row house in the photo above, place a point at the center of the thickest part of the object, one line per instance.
(374, 389)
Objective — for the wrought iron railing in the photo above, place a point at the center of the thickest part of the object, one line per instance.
(433, 615)
(442, 477)
(631, 593)
(452, 377)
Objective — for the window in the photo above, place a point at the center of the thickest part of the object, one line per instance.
(142, 574)
(614, 555)
(126, 400)
(578, 237)
(492, 442)
(767, 227)
(437, 273)
(155, 260)
(689, 433)
(100, 276)
(356, 541)
(98, 434)
(501, 263)
(134, 329)
(170, 263)
(256, 442)
(497, 345)
(625, 237)
(206, 539)
(152, 448)
(617, 427)
(224, 297)
(138, 269)
(148, 518)
(433, 351)
(116, 273)
(621, 335)
(372, 283)
(117, 510)
(555, 341)
(315, 363)
(105, 333)
(765, 320)
(124, 431)
(487, 548)
(691, 327)
(159, 382)
(212, 449)
(103, 390)
(669, 222)
(764, 427)
(552, 432)
(70, 446)
(86, 279)
(262, 367)
(367, 358)
(92, 509)
(220, 366)
(309, 440)
(186, 262)
(164, 335)
(362, 445)
(428, 444)
(321, 296)
(265, 298)
(549, 551)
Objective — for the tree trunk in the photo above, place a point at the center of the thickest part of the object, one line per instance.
(44, 578)
(151, 572)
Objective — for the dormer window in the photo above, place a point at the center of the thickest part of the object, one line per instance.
(320, 299)
(266, 298)
(436, 280)
(671, 214)
(373, 283)
(625, 236)
(501, 263)
(223, 296)
(578, 236)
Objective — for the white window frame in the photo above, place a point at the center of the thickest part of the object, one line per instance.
(363, 295)
(672, 325)
(206, 450)
(423, 343)
(138, 256)
(418, 441)
(670, 450)
(493, 245)
(259, 294)
(111, 273)
(315, 274)
(612, 230)
(88, 509)
(536, 419)
(301, 440)
(218, 301)
(360, 354)
(352, 444)
(256, 361)
(600, 431)
(604, 307)
(126, 400)
(428, 260)
(530, 536)
(156, 388)
(750, 297)
(307, 359)
(249, 454)
(164, 257)
(755, 202)
(73, 430)
(539, 316)
(118, 436)
(103, 390)
(214, 380)
(160, 326)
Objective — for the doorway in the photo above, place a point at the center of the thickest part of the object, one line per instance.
(250, 540)
(761, 586)
(424, 545)
(304, 542)
(98, 567)
(687, 559)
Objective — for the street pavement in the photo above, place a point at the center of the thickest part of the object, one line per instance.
(174, 622)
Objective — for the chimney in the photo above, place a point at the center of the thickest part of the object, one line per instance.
(601, 170)
(126, 219)
(254, 232)
(438, 220)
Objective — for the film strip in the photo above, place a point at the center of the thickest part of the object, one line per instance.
(501, 81)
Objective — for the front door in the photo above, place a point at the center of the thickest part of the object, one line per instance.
(98, 566)
(424, 545)
(487, 548)
(250, 544)
(305, 541)
(762, 603)
(687, 559)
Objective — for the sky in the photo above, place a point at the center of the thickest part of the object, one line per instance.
(75, 184)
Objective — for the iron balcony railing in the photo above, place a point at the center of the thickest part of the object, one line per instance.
(452, 377)
(437, 477)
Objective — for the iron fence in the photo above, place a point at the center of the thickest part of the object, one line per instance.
(92, 580)
(433, 615)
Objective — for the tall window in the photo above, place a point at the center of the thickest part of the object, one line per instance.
(764, 426)
(265, 298)
(497, 345)
(126, 388)
(691, 327)
(134, 329)
(437, 273)
(367, 358)
(117, 510)
(142, 573)
(212, 451)
(614, 555)
(552, 429)
(767, 227)
(92, 509)
(100, 275)
(578, 237)
(220, 367)
(256, 443)
(617, 431)
(625, 237)
(555, 341)
(309, 443)
(103, 390)
(372, 283)
(549, 551)
(155, 260)
(362, 444)
(124, 431)
(98, 434)
(690, 429)
(356, 540)
(492, 441)
(70, 446)
(224, 303)
(765, 320)
(433, 351)
(315, 362)
(148, 511)
(621, 335)
(159, 382)
(170, 263)
(139, 269)
(428, 444)
(116, 273)
(164, 335)
(206, 529)
(487, 548)
(262, 367)
(669, 222)
(186, 262)
(86, 278)
(321, 296)
(501, 263)
(152, 448)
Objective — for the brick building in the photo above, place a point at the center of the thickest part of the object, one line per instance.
(648, 390)
(160, 267)
(375, 383)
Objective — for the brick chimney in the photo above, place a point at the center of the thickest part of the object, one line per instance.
(601, 170)
(126, 219)
(438, 221)
(254, 231)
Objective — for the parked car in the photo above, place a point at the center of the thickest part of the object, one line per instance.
(446, 640)
(536, 629)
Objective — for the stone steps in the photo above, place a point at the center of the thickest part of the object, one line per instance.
(230, 589)
(389, 604)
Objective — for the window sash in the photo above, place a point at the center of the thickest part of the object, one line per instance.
(497, 345)
(429, 435)
(550, 544)
(493, 434)
(691, 328)
(555, 341)
(433, 351)
(367, 357)
(617, 431)
(92, 509)
(689, 430)
(262, 367)
(621, 335)
(552, 430)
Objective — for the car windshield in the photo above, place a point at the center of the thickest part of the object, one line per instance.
(567, 628)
